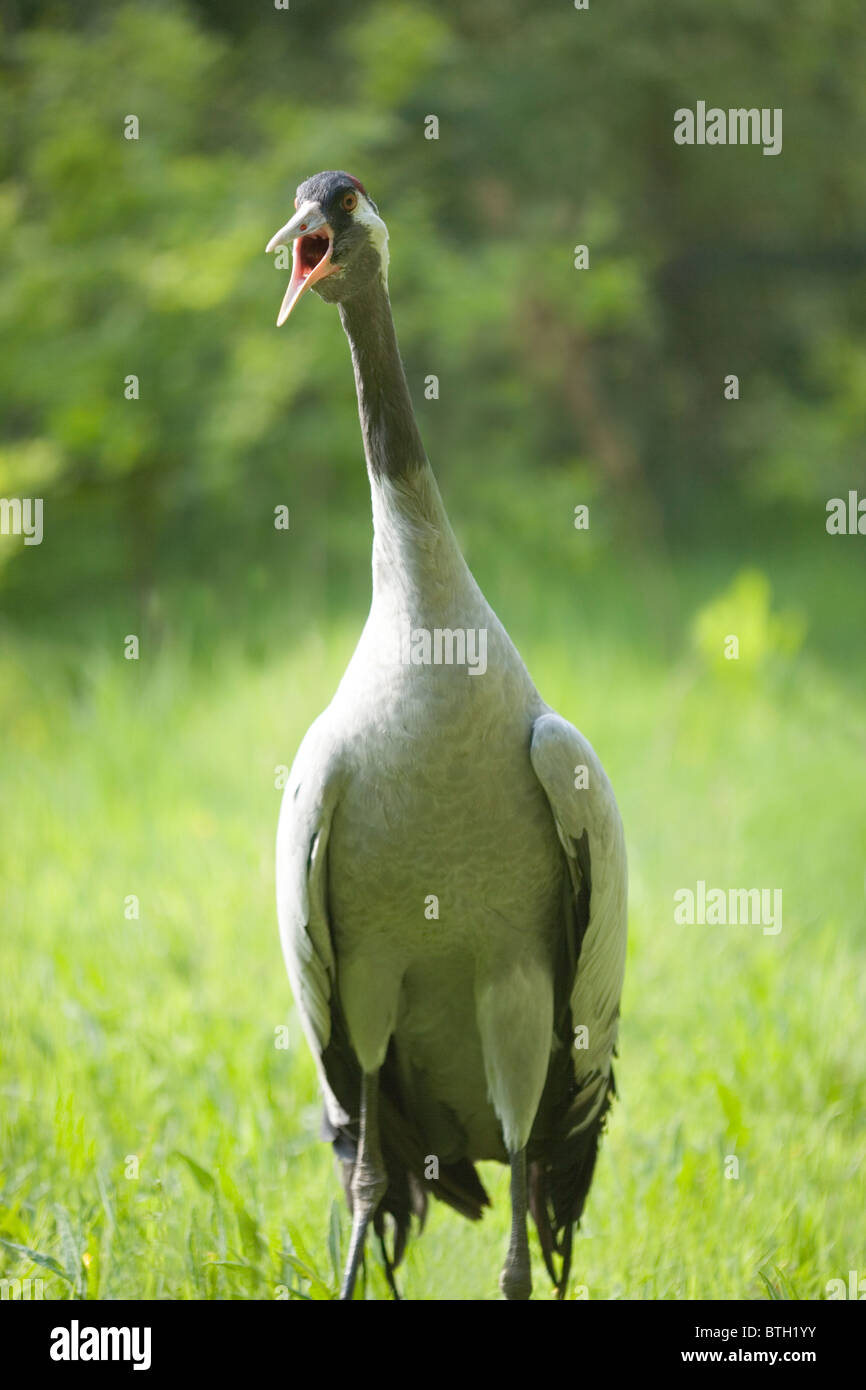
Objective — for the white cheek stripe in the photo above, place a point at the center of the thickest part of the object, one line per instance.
(378, 231)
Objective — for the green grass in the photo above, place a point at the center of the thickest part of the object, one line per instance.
(153, 1039)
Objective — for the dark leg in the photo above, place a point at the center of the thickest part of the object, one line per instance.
(369, 1180)
(515, 1281)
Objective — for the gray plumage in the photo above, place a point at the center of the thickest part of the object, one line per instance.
(449, 1037)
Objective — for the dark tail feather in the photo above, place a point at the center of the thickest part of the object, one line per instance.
(560, 1175)
(538, 1194)
(458, 1183)
(404, 1155)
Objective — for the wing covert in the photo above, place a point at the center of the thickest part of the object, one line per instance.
(590, 829)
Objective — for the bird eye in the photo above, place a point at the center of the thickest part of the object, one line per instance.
(349, 202)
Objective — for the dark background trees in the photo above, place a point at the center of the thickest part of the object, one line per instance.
(555, 128)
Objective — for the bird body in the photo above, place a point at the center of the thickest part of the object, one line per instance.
(451, 906)
(417, 751)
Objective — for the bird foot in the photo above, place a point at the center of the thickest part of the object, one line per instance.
(515, 1281)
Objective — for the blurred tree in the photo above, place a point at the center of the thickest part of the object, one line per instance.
(143, 257)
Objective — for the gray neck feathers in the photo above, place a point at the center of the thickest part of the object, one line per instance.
(417, 565)
(392, 443)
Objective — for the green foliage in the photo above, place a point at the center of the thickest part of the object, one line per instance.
(744, 612)
(144, 257)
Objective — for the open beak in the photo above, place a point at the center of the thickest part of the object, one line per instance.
(312, 247)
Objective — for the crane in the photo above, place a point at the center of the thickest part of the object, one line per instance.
(451, 869)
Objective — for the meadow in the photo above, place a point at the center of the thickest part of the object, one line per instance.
(156, 1142)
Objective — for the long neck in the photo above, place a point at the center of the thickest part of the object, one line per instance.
(392, 443)
(417, 564)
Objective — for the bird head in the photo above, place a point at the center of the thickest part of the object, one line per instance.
(339, 242)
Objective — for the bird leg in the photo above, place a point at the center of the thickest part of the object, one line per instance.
(515, 1281)
(369, 1180)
